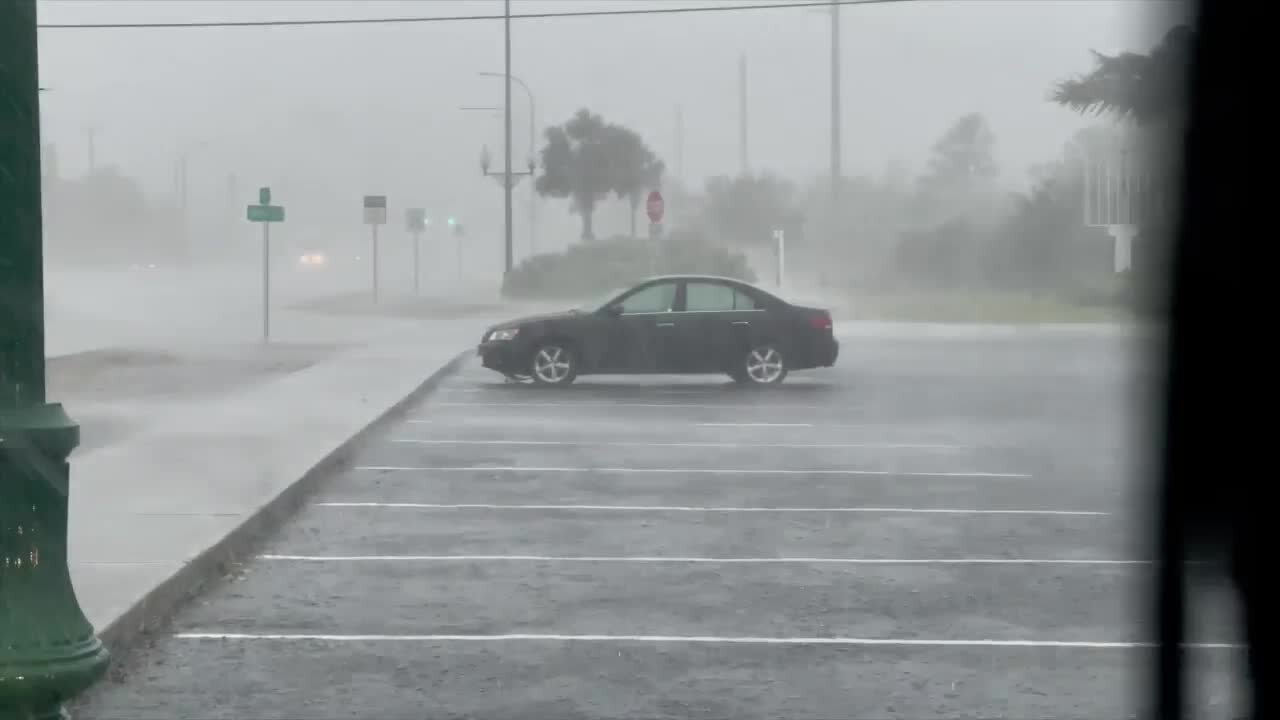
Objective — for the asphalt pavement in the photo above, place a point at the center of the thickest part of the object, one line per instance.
(935, 528)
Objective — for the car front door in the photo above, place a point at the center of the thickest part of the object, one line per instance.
(641, 337)
(719, 325)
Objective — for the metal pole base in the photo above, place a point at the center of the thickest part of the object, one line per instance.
(48, 651)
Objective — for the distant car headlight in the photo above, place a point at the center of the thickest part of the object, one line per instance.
(508, 334)
(313, 259)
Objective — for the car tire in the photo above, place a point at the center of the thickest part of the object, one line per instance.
(553, 364)
(763, 365)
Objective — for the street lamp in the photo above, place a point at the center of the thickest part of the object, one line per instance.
(486, 161)
(507, 180)
(48, 651)
(533, 141)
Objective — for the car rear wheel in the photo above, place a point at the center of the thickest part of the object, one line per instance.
(553, 364)
(764, 365)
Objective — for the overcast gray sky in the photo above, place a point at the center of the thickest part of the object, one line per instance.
(336, 112)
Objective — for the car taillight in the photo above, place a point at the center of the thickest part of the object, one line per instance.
(820, 320)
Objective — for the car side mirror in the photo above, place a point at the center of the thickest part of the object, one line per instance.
(612, 311)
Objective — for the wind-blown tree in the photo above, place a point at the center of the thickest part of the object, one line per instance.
(586, 159)
(745, 210)
(964, 152)
(637, 169)
(961, 173)
(1146, 89)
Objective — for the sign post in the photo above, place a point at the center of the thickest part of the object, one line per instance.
(265, 213)
(654, 207)
(780, 237)
(375, 214)
(415, 220)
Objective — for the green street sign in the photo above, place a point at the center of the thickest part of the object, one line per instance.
(266, 213)
(264, 196)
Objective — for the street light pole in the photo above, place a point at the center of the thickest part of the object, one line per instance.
(49, 653)
(507, 186)
(533, 140)
(836, 148)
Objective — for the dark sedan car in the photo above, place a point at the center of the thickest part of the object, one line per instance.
(673, 324)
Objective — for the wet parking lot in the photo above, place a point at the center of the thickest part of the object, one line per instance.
(937, 527)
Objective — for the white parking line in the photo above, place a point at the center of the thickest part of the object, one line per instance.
(764, 425)
(611, 404)
(687, 471)
(638, 444)
(698, 560)
(697, 639)
(698, 509)
(521, 420)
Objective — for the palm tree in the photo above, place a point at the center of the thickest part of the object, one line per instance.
(1144, 89)
(586, 159)
(575, 165)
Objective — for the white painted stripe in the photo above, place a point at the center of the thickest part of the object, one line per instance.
(552, 420)
(687, 471)
(698, 560)
(638, 444)
(698, 640)
(611, 404)
(696, 509)
(764, 425)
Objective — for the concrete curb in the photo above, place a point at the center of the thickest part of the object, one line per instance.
(161, 602)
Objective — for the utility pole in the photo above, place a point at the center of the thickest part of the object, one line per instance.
(836, 150)
(679, 168)
(833, 214)
(182, 185)
(743, 159)
(93, 161)
(49, 653)
(506, 104)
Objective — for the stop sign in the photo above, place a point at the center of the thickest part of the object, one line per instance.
(654, 206)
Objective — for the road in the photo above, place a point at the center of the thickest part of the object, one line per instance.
(935, 528)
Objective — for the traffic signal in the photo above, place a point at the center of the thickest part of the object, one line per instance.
(452, 221)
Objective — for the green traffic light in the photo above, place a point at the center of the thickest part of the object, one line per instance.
(452, 222)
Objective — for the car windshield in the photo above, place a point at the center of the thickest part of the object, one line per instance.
(598, 301)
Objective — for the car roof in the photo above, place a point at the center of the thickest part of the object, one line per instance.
(711, 278)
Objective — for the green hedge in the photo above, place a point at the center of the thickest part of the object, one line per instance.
(593, 267)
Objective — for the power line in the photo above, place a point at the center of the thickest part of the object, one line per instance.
(461, 18)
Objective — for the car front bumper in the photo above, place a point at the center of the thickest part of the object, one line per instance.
(503, 356)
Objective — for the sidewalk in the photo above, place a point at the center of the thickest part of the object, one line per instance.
(192, 451)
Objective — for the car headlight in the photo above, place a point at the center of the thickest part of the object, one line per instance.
(508, 334)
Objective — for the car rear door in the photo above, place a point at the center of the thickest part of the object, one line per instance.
(721, 324)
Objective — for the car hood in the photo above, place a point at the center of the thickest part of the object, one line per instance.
(530, 319)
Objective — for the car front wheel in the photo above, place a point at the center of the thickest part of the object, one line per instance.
(553, 364)
(763, 365)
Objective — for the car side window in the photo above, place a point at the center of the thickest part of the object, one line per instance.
(653, 299)
(743, 301)
(708, 297)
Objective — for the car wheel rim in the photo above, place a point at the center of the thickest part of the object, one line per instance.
(764, 365)
(551, 364)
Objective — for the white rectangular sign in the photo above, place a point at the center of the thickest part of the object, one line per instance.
(375, 209)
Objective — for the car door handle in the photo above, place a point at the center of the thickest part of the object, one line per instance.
(670, 324)
(741, 322)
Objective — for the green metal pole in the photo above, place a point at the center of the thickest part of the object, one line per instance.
(48, 651)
